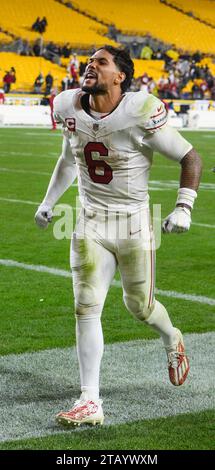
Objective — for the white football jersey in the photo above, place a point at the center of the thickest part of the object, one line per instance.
(114, 154)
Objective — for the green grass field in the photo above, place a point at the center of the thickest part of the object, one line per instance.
(185, 265)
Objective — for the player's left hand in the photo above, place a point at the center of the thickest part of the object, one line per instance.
(178, 221)
(43, 216)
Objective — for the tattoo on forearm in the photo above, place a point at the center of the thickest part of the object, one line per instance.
(191, 169)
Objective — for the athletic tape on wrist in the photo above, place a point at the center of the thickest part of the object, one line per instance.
(186, 196)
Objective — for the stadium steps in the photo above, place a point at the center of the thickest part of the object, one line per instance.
(85, 12)
(5, 38)
(155, 18)
(196, 10)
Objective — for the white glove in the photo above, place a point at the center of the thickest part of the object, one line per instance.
(178, 221)
(43, 215)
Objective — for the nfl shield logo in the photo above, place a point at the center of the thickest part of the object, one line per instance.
(95, 127)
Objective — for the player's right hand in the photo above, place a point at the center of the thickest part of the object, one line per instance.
(43, 216)
(178, 221)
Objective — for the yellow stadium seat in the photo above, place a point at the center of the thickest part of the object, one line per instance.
(161, 21)
(64, 24)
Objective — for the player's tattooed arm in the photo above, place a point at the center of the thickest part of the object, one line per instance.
(191, 169)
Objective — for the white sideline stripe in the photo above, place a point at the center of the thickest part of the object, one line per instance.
(175, 167)
(36, 386)
(203, 225)
(22, 201)
(172, 184)
(54, 134)
(32, 203)
(25, 154)
(190, 297)
(34, 267)
(178, 295)
(63, 273)
(19, 201)
(10, 170)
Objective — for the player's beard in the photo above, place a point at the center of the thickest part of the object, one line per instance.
(95, 89)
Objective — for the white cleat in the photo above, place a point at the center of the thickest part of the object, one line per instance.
(83, 412)
(178, 362)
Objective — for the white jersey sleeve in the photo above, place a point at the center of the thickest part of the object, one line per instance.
(158, 135)
(154, 114)
(169, 142)
(149, 111)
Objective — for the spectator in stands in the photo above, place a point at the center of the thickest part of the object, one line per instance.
(73, 73)
(194, 71)
(8, 79)
(43, 24)
(52, 52)
(204, 87)
(38, 83)
(146, 53)
(44, 100)
(66, 83)
(152, 87)
(18, 45)
(38, 48)
(49, 83)
(157, 55)
(112, 31)
(197, 56)
(51, 99)
(144, 82)
(135, 48)
(66, 50)
(39, 25)
(74, 61)
(163, 84)
(2, 98)
(25, 48)
(172, 53)
(197, 93)
(82, 68)
(36, 25)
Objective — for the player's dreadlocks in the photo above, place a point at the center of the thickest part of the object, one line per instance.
(124, 62)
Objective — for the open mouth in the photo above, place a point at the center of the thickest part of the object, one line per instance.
(90, 75)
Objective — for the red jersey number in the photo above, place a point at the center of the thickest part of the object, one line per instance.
(92, 164)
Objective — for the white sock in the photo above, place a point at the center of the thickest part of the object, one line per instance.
(90, 346)
(159, 320)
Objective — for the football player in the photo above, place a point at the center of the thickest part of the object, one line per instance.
(108, 142)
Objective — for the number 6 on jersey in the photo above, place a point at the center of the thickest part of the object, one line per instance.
(94, 164)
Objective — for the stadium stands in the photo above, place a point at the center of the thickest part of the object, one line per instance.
(64, 25)
(27, 68)
(4, 38)
(153, 68)
(176, 29)
(204, 10)
(156, 18)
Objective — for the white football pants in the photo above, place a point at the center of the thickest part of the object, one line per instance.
(101, 243)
